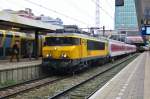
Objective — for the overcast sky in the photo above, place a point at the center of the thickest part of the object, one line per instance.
(82, 10)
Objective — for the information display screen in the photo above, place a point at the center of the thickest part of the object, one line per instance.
(148, 30)
(145, 30)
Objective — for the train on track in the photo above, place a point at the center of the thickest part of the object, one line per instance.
(70, 49)
(8, 38)
(143, 48)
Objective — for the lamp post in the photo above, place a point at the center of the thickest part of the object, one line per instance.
(103, 30)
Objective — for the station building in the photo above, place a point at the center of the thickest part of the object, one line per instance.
(126, 18)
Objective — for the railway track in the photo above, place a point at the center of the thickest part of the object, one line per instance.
(85, 88)
(65, 87)
(13, 90)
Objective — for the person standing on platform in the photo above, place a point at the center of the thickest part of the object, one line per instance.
(15, 52)
(29, 50)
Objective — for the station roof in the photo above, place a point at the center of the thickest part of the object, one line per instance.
(10, 21)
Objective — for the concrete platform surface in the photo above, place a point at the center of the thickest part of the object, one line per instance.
(133, 82)
(6, 64)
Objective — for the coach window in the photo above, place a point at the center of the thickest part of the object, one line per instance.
(7, 44)
(1, 37)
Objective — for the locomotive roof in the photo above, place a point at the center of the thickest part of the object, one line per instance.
(77, 35)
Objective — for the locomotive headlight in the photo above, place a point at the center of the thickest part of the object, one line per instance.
(64, 55)
(48, 55)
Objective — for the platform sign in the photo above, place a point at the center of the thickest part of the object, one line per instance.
(148, 30)
(145, 30)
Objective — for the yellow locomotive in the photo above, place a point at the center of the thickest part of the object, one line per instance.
(72, 50)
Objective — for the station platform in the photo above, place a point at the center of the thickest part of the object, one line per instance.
(133, 82)
(6, 64)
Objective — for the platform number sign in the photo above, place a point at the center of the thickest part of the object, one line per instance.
(119, 2)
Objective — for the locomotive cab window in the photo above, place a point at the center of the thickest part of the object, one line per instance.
(61, 41)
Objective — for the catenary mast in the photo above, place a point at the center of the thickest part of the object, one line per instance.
(97, 16)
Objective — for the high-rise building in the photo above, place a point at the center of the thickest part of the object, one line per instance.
(125, 16)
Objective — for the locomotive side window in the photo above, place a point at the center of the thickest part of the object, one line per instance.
(95, 45)
(62, 41)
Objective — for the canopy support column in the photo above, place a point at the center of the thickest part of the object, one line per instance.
(36, 44)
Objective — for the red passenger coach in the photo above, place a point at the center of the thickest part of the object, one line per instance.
(130, 48)
(117, 48)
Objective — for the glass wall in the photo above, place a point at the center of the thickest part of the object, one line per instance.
(125, 16)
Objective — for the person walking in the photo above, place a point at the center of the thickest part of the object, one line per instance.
(30, 49)
(15, 52)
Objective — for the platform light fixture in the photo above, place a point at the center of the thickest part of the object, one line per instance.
(15, 28)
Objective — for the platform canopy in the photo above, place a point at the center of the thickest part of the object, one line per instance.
(134, 39)
(13, 21)
(10, 21)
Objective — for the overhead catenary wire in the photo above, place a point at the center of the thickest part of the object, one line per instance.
(79, 9)
(18, 5)
(21, 5)
(109, 4)
(103, 9)
(57, 12)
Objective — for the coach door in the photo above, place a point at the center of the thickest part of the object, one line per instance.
(8, 43)
(1, 43)
(83, 48)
